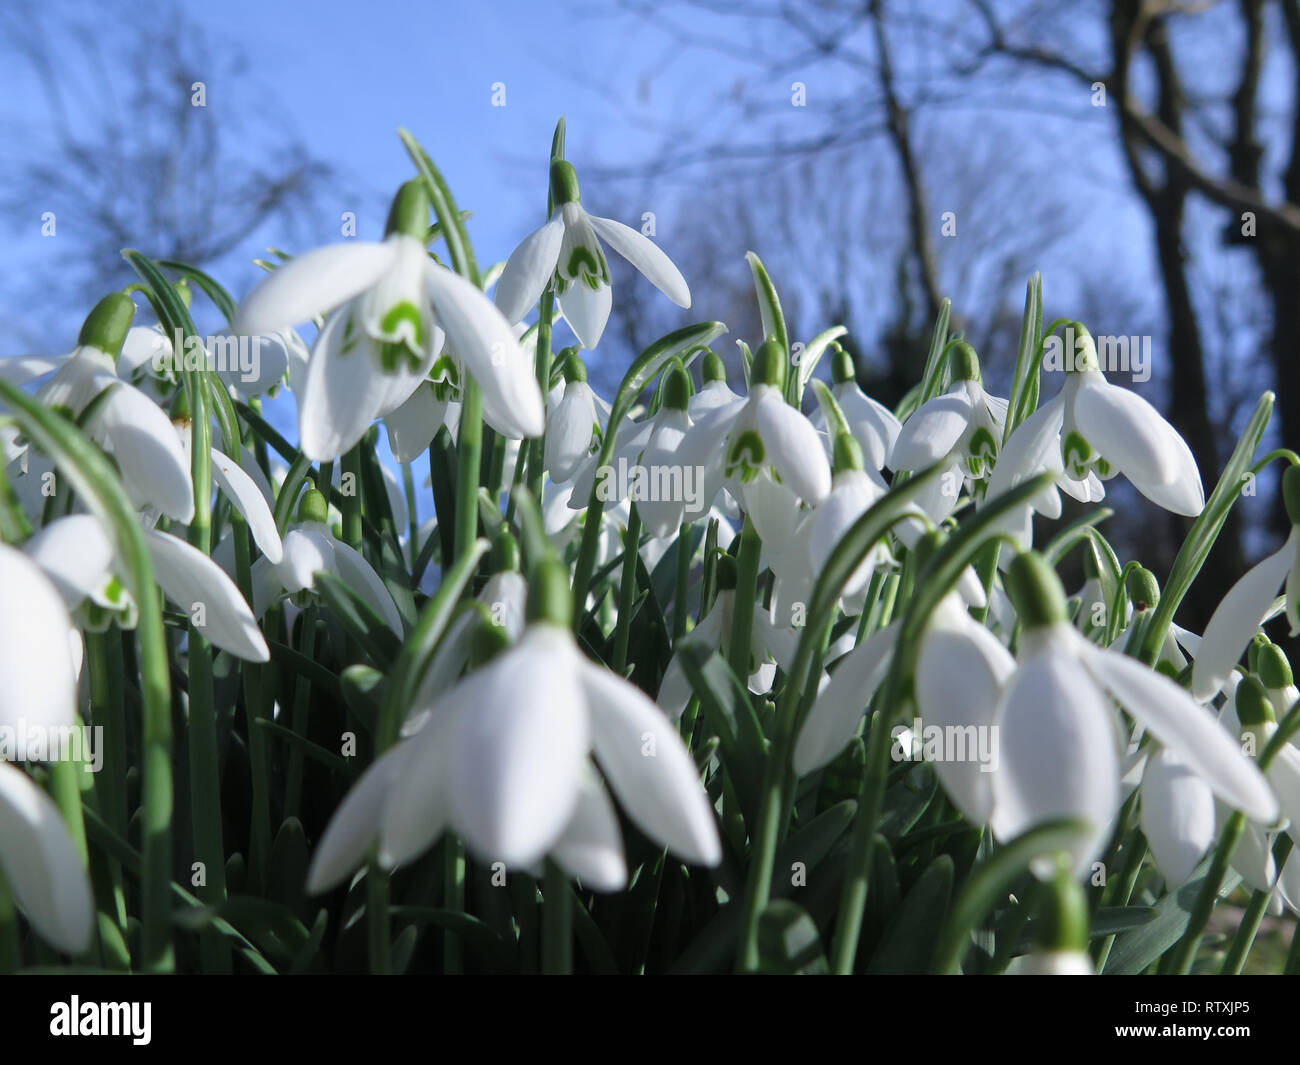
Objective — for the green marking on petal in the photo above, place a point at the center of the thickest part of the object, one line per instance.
(745, 456)
(1076, 455)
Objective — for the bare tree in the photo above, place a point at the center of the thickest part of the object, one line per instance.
(170, 146)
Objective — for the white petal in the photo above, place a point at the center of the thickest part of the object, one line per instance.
(1177, 815)
(959, 676)
(308, 550)
(486, 346)
(872, 424)
(190, 579)
(1132, 436)
(247, 498)
(1284, 776)
(570, 430)
(591, 847)
(649, 767)
(355, 825)
(833, 719)
(644, 254)
(793, 447)
(76, 554)
(1238, 617)
(313, 284)
(528, 269)
(586, 310)
(517, 748)
(20, 370)
(1058, 756)
(155, 469)
(413, 425)
(361, 577)
(35, 648)
(932, 431)
(1191, 732)
(342, 391)
(41, 864)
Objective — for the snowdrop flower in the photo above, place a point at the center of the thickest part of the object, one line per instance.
(40, 863)
(734, 443)
(126, 423)
(310, 548)
(506, 760)
(1249, 602)
(961, 667)
(663, 512)
(873, 425)
(963, 426)
(573, 425)
(566, 247)
(1058, 733)
(394, 305)
(1110, 430)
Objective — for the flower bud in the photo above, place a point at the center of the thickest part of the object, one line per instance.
(714, 369)
(1291, 493)
(505, 552)
(1142, 587)
(1273, 668)
(726, 573)
(564, 183)
(574, 368)
(409, 213)
(313, 507)
(107, 324)
(769, 365)
(842, 371)
(1035, 590)
(1254, 708)
(963, 363)
(677, 387)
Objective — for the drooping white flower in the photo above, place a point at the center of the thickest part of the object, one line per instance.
(1058, 733)
(732, 444)
(310, 548)
(1249, 602)
(574, 423)
(394, 306)
(962, 427)
(505, 758)
(566, 247)
(40, 863)
(1110, 430)
(125, 422)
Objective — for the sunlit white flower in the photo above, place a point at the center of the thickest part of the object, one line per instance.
(1058, 732)
(36, 645)
(394, 305)
(574, 423)
(505, 758)
(40, 864)
(310, 548)
(732, 444)
(125, 422)
(566, 247)
(1111, 430)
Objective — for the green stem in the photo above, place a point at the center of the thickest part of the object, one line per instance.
(542, 364)
(557, 922)
(11, 957)
(377, 920)
(742, 615)
(301, 715)
(469, 449)
(627, 593)
(681, 608)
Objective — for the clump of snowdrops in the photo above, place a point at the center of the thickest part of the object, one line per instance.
(734, 669)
